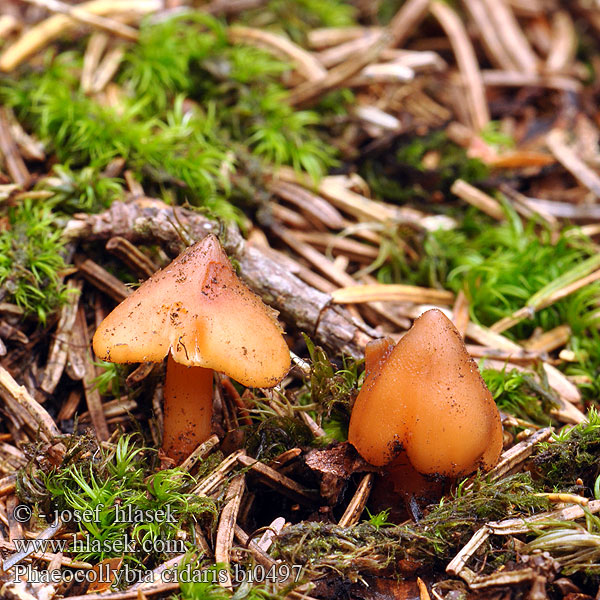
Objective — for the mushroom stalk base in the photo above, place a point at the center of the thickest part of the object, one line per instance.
(188, 395)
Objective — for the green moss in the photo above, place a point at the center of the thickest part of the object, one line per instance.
(521, 394)
(191, 103)
(109, 486)
(31, 259)
(400, 175)
(332, 391)
(573, 454)
(374, 547)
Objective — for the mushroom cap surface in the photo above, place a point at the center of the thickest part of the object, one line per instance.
(199, 310)
(426, 397)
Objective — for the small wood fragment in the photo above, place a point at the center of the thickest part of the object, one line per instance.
(475, 197)
(203, 450)
(280, 483)
(356, 506)
(103, 280)
(15, 165)
(568, 158)
(548, 340)
(260, 556)
(47, 31)
(306, 64)
(107, 69)
(132, 256)
(212, 481)
(78, 13)
(225, 530)
(57, 356)
(92, 395)
(20, 405)
(91, 59)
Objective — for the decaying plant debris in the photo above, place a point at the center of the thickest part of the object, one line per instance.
(360, 162)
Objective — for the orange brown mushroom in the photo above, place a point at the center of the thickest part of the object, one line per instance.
(424, 400)
(198, 312)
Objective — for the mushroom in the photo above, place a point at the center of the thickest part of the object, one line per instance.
(198, 311)
(425, 397)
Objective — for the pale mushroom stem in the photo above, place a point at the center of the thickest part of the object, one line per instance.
(188, 396)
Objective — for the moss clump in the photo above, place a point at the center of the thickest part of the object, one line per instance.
(111, 486)
(521, 394)
(189, 102)
(372, 548)
(573, 454)
(31, 258)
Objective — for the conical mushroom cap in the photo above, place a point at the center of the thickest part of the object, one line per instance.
(198, 309)
(428, 398)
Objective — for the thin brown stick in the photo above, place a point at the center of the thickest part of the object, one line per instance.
(132, 256)
(21, 406)
(564, 43)
(475, 197)
(103, 280)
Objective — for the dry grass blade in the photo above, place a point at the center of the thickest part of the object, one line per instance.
(570, 161)
(132, 256)
(203, 450)
(512, 35)
(15, 165)
(83, 16)
(47, 31)
(485, 203)
(518, 79)
(406, 20)
(103, 280)
(310, 91)
(91, 59)
(564, 43)
(513, 458)
(107, 69)
(329, 243)
(391, 293)
(578, 277)
(489, 35)
(327, 37)
(92, 395)
(217, 477)
(549, 340)
(306, 64)
(466, 61)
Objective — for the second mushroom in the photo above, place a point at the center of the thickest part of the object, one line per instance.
(198, 312)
